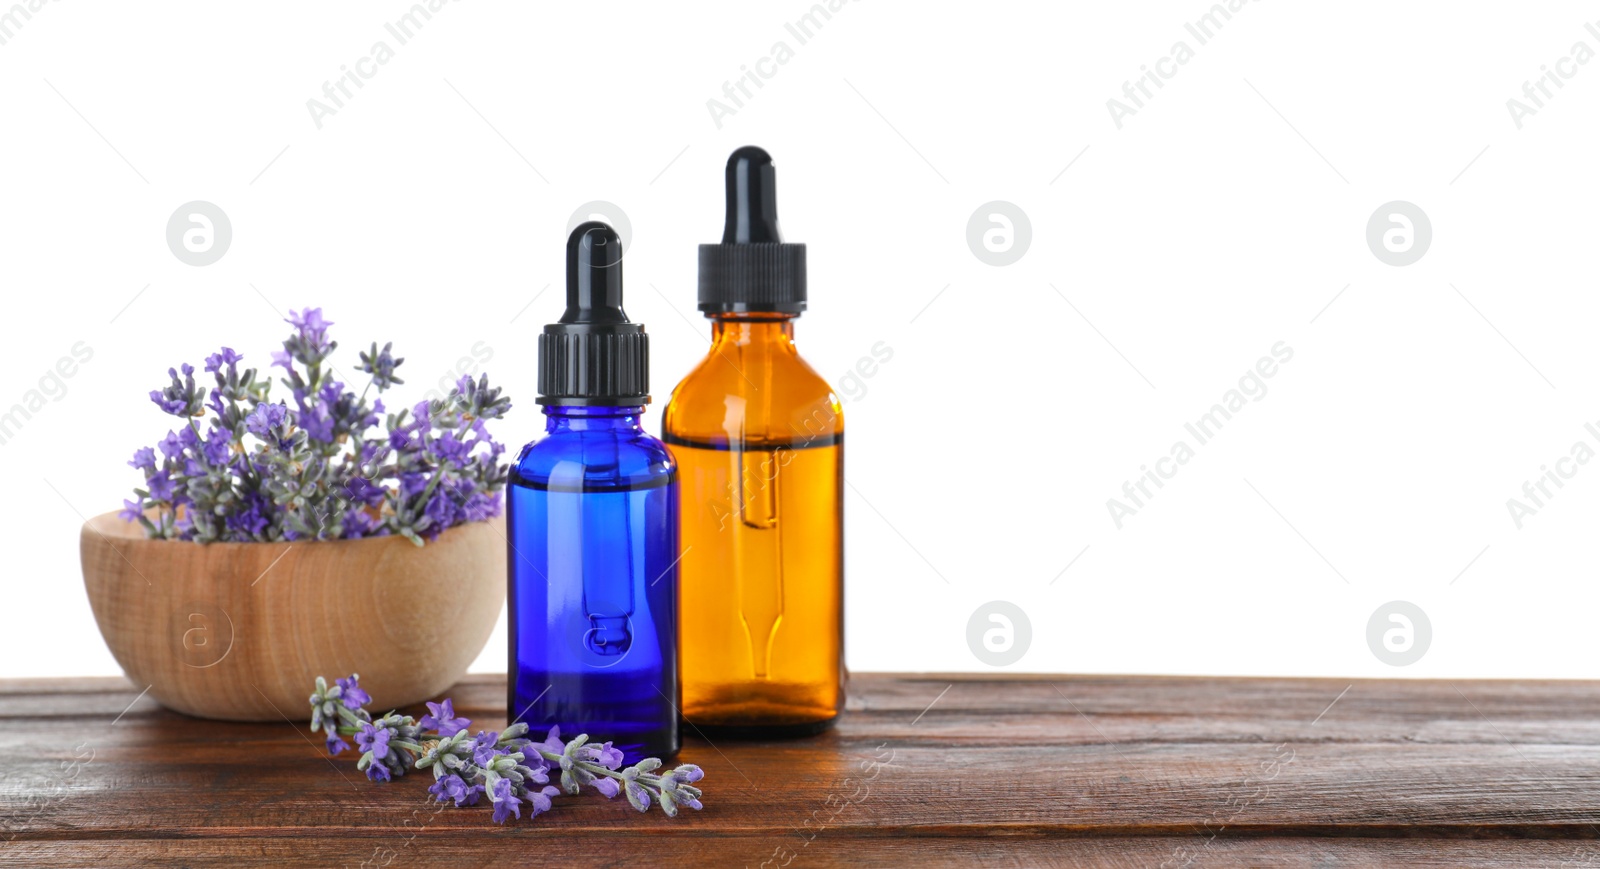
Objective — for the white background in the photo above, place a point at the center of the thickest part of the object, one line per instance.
(1220, 219)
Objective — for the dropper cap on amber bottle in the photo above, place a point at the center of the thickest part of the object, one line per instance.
(594, 355)
(753, 269)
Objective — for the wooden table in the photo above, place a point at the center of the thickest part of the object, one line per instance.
(924, 769)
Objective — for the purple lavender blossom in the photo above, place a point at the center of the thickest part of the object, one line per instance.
(336, 743)
(182, 397)
(450, 449)
(505, 801)
(352, 693)
(218, 447)
(361, 491)
(483, 748)
(605, 755)
(640, 795)
(539, 800)
(442, 717)
(170, 446)
(441, 509)
(170, 400)
(479, 507)
(372, 417)
(264, 418)
(251, 521)
(226, 357)
(552, 741)
(317, 421)
(310, 323)
(607, 786)
(413, 484)
(357, 524)
(451, 787)
(536, 769)
(374, 739)
(131, 511)
(161, 486)
(144, 458)
(381, 365)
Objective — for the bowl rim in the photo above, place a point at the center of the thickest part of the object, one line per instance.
(114, 530)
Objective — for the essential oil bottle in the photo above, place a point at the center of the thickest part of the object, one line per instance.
(759, 440)
(592, 519)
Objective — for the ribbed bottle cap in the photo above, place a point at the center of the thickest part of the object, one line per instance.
(752, 269)
(594, 355)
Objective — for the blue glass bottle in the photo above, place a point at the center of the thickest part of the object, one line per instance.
(593, 530)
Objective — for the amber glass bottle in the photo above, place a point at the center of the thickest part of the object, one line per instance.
(759, 441)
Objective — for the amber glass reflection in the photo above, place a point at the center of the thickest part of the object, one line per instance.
(759, 440)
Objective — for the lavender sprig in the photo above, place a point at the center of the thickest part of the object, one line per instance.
(243, 467)
(508, 767)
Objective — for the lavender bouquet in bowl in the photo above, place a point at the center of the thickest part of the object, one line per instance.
(313, 499)
(243, 467)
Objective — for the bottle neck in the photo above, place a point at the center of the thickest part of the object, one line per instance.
(566, 417)
(741, 330)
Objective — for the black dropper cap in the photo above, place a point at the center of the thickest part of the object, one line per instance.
(752, 269)
(594, 355)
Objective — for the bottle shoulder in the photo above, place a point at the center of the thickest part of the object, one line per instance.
(776, 397)
(591, 459)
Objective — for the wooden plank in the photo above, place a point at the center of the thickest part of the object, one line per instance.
(1090, 771)
(530, 845)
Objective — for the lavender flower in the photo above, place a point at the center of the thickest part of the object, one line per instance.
(513, 770)
(182, 398)
(309, 345)
(389, 746)
(312, 326)
(605, 755)
(374, 739)
(505, 801)
(218, 448)
(452, 787)
(552, 741)
(381, 365)
(353, 695)
(330, 710)
(539, 800)
(227, 357)
(161, 486)
(132, 511)
(485, 748)
(311, 466)
(171, 446)
(638, 795)
(265, 418)
(441, 717)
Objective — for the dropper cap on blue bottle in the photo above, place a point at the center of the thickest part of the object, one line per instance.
(594, 355)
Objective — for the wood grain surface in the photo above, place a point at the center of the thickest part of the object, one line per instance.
(922, 770)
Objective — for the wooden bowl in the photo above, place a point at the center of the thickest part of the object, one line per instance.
(240, 631)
